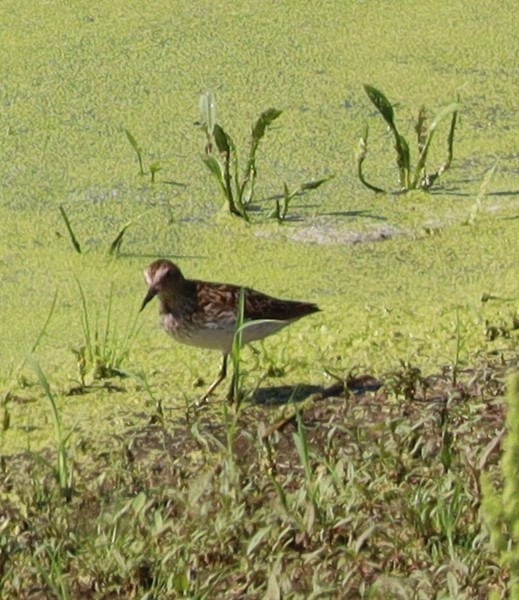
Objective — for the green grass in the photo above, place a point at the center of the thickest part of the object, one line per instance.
(105, 346)
(62, 471)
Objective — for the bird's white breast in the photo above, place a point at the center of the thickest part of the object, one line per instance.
(219, 336)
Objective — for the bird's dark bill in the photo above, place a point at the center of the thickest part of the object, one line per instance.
(149, 296)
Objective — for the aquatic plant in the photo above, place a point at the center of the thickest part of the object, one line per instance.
(153, 168)
(409, 179)
(221, 155)
(221, 158)
(280, 211)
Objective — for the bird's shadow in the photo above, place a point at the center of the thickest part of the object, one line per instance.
(277, 395)
(289, 394)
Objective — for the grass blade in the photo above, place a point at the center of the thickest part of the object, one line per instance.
(47, 321)
(237, 345)
(115, 246)
(85, 324)
(62, 472)
(137, 148)
(73, 238)
(450, 142)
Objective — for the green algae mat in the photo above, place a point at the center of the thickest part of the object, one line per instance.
(418, 293)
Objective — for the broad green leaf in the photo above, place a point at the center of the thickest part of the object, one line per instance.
(382, 104)
(313, 185)
(132, 141)
(213, 164)
(264, 120)
(207, 111)
(221, 139)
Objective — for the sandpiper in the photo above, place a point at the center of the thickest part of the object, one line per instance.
(204, 314)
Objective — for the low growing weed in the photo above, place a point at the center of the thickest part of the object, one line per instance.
(351, 499)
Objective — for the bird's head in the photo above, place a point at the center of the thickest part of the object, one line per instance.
(163, 279)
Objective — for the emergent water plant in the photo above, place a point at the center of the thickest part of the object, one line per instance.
(221, 156)
(417, 178)
(154, 167)
(280, 211)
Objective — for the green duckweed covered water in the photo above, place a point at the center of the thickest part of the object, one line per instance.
(396, 276)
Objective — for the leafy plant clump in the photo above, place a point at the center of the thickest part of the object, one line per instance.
(104, 349)
(221, 158)
(500, 508)
(417, 178)
(238, 189)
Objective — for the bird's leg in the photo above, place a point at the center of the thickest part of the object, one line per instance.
(222, 374)
(230, 393)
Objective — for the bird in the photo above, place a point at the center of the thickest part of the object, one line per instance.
(204, 313)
